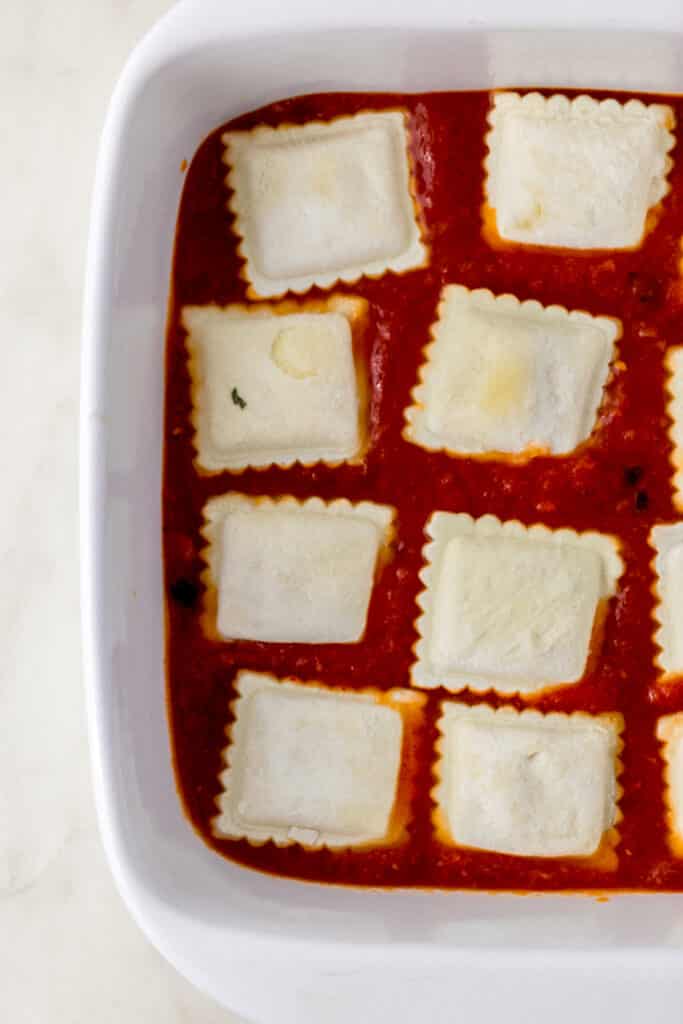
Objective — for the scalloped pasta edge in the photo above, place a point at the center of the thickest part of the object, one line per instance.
(353, 307)
(484, 297)
(673, 366)
(669, 732)
(423, 676)
(669, 533)
(587, 108)
(303, 283)
(605, 856)
(215, 509)
(406, 702)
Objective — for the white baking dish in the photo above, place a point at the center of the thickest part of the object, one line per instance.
(273, 949)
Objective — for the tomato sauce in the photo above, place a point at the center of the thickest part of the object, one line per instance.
(619, 482)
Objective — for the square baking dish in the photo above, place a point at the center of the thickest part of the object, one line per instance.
(270, 948)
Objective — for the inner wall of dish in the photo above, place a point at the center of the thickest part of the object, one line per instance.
(592, 489)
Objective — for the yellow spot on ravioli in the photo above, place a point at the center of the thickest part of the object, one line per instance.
(533, 217)
(302, 351)
(505, 387)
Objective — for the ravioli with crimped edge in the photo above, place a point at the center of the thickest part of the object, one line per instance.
(285, 571)
(510, 608)
(274, 385)
(667, 540)
(674, 369)
(510, 379)
(575, 173)
(315, 765)
(670, 735)
(528, 784)
(318, 203)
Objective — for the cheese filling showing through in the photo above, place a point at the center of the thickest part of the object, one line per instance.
(524, 783)
(309, 765)
(576, 173)
(505, 376)
(273, 388)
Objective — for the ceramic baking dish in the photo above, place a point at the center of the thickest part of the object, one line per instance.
(271, 948)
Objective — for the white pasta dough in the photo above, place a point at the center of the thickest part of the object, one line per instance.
(674, 364)
(524, 783)
(272, 388)
(286, 572)
(309, 765)
(576, 173)
(507, 607)
(668, 543)
(505, 376)
(321, 202)
(670, 735)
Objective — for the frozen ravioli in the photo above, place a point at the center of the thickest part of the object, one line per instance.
(272, 387)
(508, 607)
(576, 173)
(670, 735)
(320, 202)
(524, 783)
(668, 543)
(313, 765)
(504, 376)
(674, 365)
(281, 571)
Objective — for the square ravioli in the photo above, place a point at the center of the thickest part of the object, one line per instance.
(674, 366)
(508, 607)
(313, 765)
(667, 541)
(504, 376)
(527, 784)
(274, 386)
(577, 174)
(281, 571)
(670, 735)
(322, 202)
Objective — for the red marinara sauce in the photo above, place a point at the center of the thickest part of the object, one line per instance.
(619, 482)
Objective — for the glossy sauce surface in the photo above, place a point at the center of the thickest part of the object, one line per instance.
(619, 482)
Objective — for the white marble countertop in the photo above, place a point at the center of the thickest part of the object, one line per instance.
(68, 950)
